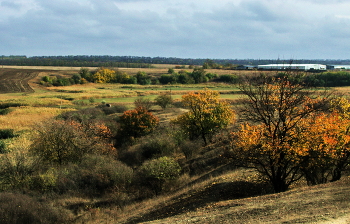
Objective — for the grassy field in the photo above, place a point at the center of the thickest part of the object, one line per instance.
(50, 101)
(223, 195)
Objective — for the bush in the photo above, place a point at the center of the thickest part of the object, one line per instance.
(45, 181)
(83, 115)
(96, 175)
(157, 146)
(61, 142)
(143, 102)
(7, 105)
(3, 147)
(157, 171)
(162, 168)
(190, 148)
(7, 133)
(163, 100)
(142, 78)
(5, 111)
(22, 209)
(229, 78)
(166, 79)
(16, 171)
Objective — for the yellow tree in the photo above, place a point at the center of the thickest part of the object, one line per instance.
(274, 107)
(207, 114)
(104, 75)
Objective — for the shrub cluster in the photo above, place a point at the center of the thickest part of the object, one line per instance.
(22, 209)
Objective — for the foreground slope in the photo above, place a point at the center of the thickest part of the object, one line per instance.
(327, 203)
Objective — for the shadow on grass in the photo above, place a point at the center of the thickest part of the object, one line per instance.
(213, 193)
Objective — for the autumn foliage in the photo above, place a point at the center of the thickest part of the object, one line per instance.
(278, 115)
(207, 114)
(104, 75)
(323, 147)
(138, 122)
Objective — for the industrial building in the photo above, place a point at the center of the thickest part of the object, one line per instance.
(303, 67)
(341, 67)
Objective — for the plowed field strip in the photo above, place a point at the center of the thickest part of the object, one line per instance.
(16, 81)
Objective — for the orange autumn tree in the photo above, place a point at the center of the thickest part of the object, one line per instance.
(323, 147)
(136, 123)
(273, 110)
(207, 114)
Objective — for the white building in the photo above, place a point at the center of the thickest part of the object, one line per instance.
(303, 67)
(345, 67)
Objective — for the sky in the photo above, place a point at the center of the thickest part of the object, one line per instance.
(215, 29)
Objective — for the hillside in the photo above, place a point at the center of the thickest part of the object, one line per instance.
(327, 203)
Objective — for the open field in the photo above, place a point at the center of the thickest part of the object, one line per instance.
(222, 195)
(20, 84)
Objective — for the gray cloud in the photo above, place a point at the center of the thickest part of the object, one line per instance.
(184, 28)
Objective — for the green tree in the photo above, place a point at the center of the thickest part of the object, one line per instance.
(76, 78)
(143, 78)
(206, 115)
(163, 100)
(166, 79)
(85, 74)
(171, 71)
(198, 75)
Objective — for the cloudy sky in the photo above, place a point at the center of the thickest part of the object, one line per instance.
(217, 29)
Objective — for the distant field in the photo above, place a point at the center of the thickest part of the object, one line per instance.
(16, 80)
(20, 84)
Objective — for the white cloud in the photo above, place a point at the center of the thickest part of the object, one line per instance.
(183, 28)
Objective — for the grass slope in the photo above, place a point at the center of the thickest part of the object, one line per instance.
(327, 203)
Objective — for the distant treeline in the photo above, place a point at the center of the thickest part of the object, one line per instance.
(198, 75)
(75, 61)
(137, 61)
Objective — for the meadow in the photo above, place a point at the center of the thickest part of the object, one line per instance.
(44, 102)
(217, 191)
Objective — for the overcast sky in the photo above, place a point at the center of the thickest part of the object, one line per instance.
(217, 29)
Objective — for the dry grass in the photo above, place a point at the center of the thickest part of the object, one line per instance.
(192, 195)
(23, 118)
(234, 198)
(328, 203)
